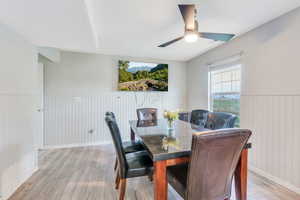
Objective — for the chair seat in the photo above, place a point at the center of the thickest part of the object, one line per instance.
(139, 164)
(132, 146)
(177, 178)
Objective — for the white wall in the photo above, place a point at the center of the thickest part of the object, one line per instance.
(82, 87)
(270, 101)
(18, 100)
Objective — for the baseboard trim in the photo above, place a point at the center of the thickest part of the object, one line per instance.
(74, 145)
(275, 179)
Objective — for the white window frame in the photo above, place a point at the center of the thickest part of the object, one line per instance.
(231, 62)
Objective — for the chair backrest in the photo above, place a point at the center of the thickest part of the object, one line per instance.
(199, 117)
(220, 120)
(113, 117)
(146, 113)
(214, 157)
(110, 114)
(116, 137)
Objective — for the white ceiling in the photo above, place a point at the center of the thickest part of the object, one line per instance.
(53, 23)
(133, 27)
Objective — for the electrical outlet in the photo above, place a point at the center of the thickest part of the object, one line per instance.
(91, 131)
(77, 99)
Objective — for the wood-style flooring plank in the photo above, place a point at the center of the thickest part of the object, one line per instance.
(86, 173)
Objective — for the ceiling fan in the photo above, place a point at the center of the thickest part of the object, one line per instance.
(191, 33)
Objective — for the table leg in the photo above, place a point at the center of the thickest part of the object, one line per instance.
(160, 180)
(241, 174)
(132, 135)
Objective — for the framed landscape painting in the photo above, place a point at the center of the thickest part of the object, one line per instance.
(140, 76)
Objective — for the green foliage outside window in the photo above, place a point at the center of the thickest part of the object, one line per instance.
(227, 103)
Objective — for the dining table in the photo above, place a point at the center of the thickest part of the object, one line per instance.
(169, 146)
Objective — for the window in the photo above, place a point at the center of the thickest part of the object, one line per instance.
(225, 83)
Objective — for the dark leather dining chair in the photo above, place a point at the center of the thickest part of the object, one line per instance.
(220, 120)
(128, 146)
(209, 174)
(146, 114)
(130, 165)
(199, 117)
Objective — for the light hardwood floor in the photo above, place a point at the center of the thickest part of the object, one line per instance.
(86, 173)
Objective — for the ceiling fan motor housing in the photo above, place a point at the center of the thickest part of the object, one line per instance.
(191, 28)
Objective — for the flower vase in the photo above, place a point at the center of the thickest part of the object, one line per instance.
(170, 124)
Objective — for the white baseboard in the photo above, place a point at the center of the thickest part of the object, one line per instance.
(74, 145)
(275, 179)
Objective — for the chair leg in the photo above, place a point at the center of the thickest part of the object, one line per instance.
(116, 164)
(117, 181)
(122, 189)
(150, 177)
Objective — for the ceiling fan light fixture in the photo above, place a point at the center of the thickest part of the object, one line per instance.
(191, 33)
(191, 37)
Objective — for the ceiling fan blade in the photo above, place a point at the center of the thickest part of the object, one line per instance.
(188, 15)
(217, 36)
(170, 42)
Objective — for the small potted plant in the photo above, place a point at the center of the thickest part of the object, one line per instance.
(171, 116)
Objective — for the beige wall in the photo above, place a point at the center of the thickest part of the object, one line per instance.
(18, 104)
(82, 87)
(270, 100)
